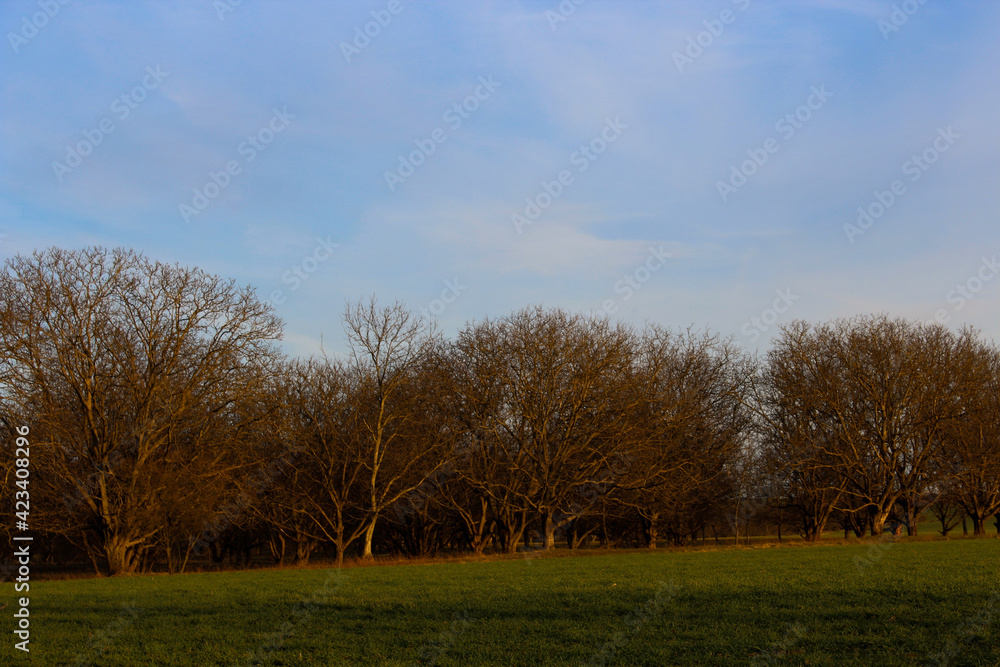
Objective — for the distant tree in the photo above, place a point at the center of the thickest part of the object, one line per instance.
(306, 490)
(276, 499)
(164, 422)
(970, 459)
(690, 427)
(869, 398)
(799, 431)
(127, 370)
(947, 512)
(554, 396)
(393, 356)
(487, 489)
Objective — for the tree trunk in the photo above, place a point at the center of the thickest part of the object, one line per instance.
(911, 518)
(171, 561)
(478, 542)
(338, 544)
(859, 526)
(475, 528)
(121, 559)
(812, 527)
(578, 538)
(303, 550)
(304, 546)
(878, 519)
(214, 553)
(92, 554)
(650, 531)
(366, 552)
(550, 532)
(512, 535)
(187, 555)
(276, 543)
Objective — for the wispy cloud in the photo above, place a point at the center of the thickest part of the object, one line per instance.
(452, 218)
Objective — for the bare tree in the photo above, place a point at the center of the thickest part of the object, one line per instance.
(552, 395)
(868, 399)
(125, 367)
(160, 412)
(392, 355)
(947, 512)
(971, 458)
(488, 488)
(691, 427)
(320, 402)
(901, 382)
(799, 432)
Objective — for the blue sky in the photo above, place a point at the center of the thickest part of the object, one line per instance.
(644, 109)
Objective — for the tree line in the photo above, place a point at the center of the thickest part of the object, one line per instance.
(166, 425)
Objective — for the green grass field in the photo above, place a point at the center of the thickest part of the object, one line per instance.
(907, 603)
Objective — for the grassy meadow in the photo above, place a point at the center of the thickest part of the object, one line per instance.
(912, 602)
